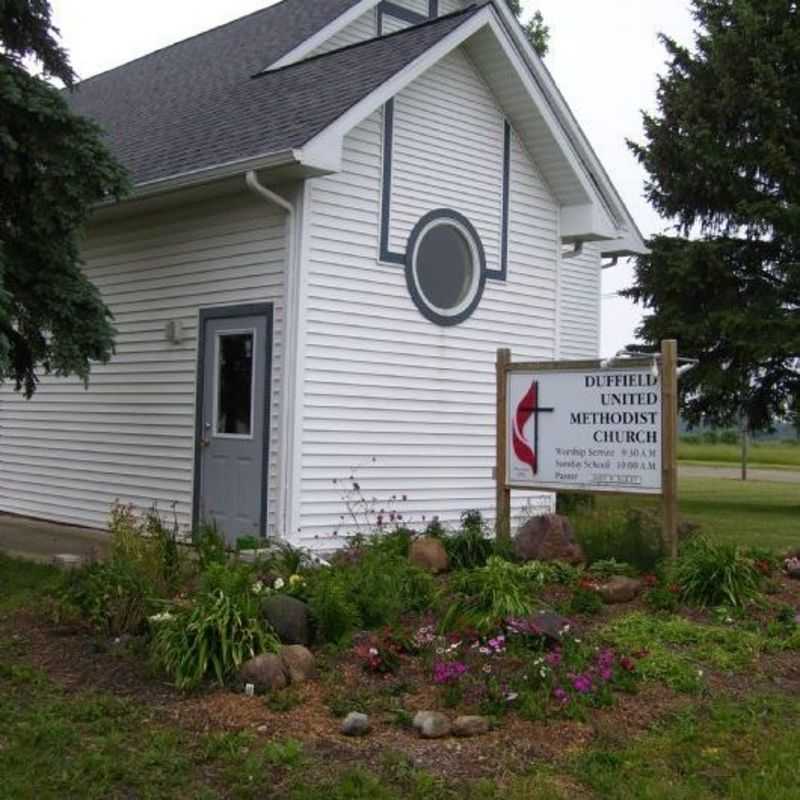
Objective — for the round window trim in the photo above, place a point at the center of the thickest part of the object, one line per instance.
(465, 309)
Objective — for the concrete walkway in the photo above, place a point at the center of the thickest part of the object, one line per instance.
(36, 540)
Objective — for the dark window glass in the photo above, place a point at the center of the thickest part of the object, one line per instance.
(235, 392)
(444, 267)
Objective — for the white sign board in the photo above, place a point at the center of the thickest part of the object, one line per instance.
(588, 429)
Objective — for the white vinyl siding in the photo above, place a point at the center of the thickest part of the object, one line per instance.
(580, 304)
(362, 29)
(68, 453)
(381, 381)
(435, 168)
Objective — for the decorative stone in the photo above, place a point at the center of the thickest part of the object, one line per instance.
(620, 590)
(298, 662)
(429, 554)
(290, 618)
(266, 672)
(548, 624)
(470, 726)
(431, 724)
(548, 537)
(355, 724)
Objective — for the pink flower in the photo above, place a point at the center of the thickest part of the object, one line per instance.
(553, 658)
(560, 695)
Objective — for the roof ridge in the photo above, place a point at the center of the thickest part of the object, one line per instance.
(468, 11)
(105, 72)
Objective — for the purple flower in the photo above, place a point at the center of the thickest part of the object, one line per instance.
(560, 695)
(448, 671)
(582, 683)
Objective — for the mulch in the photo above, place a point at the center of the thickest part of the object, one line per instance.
(77, 661)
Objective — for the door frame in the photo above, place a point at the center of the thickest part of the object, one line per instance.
(265, 310)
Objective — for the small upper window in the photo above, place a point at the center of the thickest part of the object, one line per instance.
(445, 267)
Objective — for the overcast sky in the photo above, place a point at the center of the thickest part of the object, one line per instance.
(604, 56)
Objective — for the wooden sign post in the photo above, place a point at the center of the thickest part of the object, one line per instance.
(591, 427)
(669, 443)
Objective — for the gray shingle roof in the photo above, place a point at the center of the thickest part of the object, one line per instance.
(199, 103)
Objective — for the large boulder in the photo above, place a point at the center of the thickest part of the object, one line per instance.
(548, 537)
(290, 618)
(265, 672)
(298, 662)
(429, 554)
(620, 590)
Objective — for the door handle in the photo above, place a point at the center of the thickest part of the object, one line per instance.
(204, 440)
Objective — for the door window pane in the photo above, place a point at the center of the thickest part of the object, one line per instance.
(235, 384)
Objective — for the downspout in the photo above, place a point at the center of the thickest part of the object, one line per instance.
(288, 359)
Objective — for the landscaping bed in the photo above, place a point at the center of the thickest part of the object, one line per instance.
(524, 656)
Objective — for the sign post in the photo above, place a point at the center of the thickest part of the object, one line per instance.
(669, 462)
(589, 426)
(503, 501)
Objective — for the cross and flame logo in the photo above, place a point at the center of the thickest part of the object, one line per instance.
(528, 451)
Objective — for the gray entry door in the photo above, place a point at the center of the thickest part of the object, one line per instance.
(235, 360)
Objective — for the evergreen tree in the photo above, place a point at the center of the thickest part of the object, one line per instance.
(722, 154)
(537, 32)
(53, 169)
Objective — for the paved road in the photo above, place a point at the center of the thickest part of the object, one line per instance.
(735, 473)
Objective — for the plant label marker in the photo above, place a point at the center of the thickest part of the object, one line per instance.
(588, 426)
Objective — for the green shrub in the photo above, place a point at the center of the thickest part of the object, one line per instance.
(710, 573)
(569, 503)
(371, 584)
(210, 545)
(585, 601)
(632, 537)
(489, 594)
(662, 598)
(248, 543)
(334, 611)
(114, 596)
(216, 634)
(147, 544)
(470, 547)
(385, 586)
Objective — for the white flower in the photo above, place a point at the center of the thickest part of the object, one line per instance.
(373, 651)
(278, 585)
(258, 587)
(164, 616)
(543, 672)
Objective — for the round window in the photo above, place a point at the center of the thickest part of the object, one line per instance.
(445, 267)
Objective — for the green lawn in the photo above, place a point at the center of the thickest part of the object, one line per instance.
(766, 454)
(55, 744)
(751, 512)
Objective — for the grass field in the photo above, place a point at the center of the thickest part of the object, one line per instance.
(751, 512)
(766, 454)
